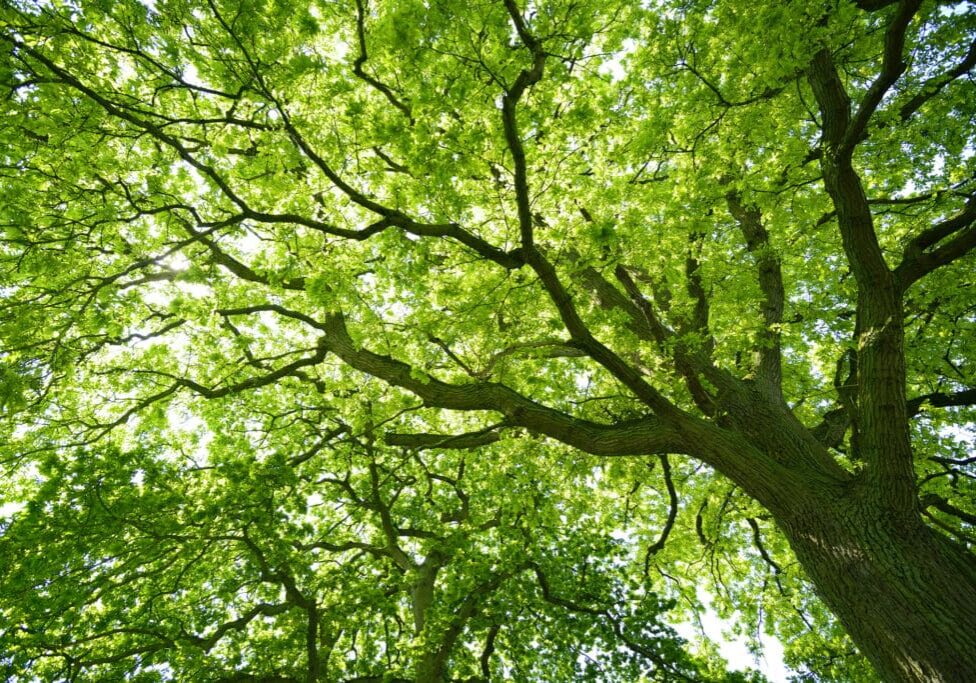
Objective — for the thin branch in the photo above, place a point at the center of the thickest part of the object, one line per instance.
(932, 500)
(834, 424)
(766, 94)
(525, 79)
(357, 66)
(390, 217)
(688, 361)
(934, 85)
(207, 643)
(658, 545)
(757, 541)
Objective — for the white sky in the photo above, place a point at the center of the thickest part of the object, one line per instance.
(734, 650)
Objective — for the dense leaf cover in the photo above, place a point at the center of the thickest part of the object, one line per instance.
(422, 340)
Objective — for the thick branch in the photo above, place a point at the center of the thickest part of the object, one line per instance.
(525, 79)
(893, 65)
(645, 436)
(965, 397)
(768, 353)
(482, 437)
(918, 262)
(842, 182)
(882, 415)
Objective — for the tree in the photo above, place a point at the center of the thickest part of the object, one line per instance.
(223, 573)
(336, 237)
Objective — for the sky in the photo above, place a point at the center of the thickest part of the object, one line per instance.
(734, 650)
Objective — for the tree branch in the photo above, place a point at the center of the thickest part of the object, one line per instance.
(644, 436)
(917, 262)
(883, 435)
(834, 424)
(525, 79)
(658, 545)
(932, 500)
(357, 66)
(207, 643)
(689, 362)
(892, 67)
(874, 5)
(768, 353)
(757, 541)
(933, 86)
(488, 651)
(964, 397)
(482, 437)
(390, 217)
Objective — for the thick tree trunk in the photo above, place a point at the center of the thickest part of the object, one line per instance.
(906, 596)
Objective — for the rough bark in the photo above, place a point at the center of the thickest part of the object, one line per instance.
(906, 596)
(905, 593)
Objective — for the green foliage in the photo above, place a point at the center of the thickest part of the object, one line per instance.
(303, 306)
(127, 563)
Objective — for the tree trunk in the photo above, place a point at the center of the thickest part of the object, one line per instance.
(906, 595)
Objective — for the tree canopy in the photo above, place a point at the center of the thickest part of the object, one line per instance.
(416, 340)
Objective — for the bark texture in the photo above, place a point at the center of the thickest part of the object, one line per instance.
(906, 596)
